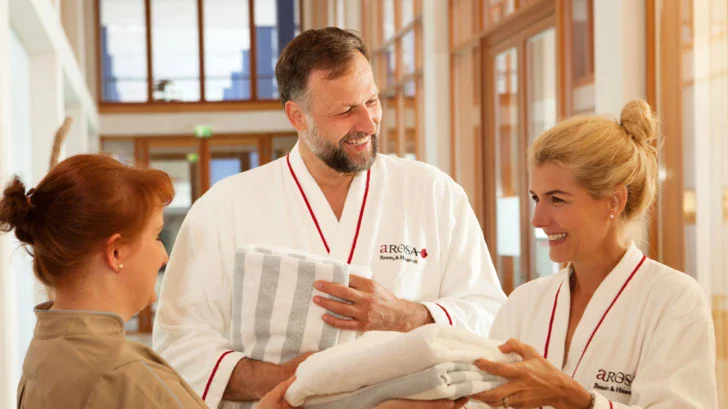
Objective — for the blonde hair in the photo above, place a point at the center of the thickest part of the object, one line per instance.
(604, 155)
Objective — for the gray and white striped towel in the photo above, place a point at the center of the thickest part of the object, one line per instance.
(274, 318)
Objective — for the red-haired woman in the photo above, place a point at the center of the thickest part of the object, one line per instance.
(92, 226)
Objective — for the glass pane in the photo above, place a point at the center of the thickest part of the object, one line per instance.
(227, 159)
(388, 19)
(410, 120)
(582, 38)
(408, 53)
(495, 10)
(227, 50)
(389, 125)
(121, 150)
(541, 54)
(222, 167)
(275, 26)
(181, 163)
(406, 12)
(123, 47)
(340, 20)
(282, 145)
(391, 65)
(296, 18)
(583, 92)
(175, 50)
(507, 168)
(410, 88)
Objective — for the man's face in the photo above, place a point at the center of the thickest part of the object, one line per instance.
(343, 118)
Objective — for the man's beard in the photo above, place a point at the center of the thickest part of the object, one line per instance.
(336, 157)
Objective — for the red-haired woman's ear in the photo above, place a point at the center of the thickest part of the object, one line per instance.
(112, 253)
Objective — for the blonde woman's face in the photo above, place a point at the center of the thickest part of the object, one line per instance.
(577, 224)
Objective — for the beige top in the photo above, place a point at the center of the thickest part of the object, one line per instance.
(82, 359)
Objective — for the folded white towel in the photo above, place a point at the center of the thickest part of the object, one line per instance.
(377, 357)
(443, 381)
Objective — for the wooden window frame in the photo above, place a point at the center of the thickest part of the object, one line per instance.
(143, 157)
(488, 38)
(379, 47)
(252, 104)
(664, 73)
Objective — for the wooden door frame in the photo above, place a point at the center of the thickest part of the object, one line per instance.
(538, 18)
(670, 213)
(142, 158)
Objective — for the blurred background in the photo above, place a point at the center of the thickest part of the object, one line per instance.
(188, 86)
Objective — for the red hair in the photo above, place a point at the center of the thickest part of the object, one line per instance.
(82, 201)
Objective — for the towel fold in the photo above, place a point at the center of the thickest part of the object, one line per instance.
(378, 357)
(448, 380)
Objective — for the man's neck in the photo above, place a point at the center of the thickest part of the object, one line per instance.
(334, 185)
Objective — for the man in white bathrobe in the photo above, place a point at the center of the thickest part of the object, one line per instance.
(410, 223)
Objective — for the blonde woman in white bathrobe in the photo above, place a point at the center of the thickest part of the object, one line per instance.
(613, 329)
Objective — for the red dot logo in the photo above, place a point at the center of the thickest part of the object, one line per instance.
(423, 253)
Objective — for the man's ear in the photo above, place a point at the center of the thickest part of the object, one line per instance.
(296, 115)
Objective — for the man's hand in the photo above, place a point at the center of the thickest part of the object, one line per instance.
(289, 368)
(252, 379)
(371, 307)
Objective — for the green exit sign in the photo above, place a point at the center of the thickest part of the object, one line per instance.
(203, 131)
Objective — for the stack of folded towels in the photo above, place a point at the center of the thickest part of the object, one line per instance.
(432, 362)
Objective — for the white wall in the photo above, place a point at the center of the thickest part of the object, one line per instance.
(436, 83)
(184, 123)
(20, 163)
(40, 80)
(7, 282)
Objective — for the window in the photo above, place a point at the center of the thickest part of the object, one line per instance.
(581, 38)
(175, 51)
(192, 51)
(227, 50)
(123, 51)
(194, 164)
(393, 31)
(505, 92)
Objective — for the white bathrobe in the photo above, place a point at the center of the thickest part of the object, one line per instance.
(654, 348)
(410, 223)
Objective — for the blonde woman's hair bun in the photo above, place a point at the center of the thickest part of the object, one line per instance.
(639, 122)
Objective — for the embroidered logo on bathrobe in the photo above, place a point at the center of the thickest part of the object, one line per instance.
(409, 254)
(617, 382)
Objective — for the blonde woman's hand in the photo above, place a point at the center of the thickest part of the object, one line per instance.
(532, 383)
(274, 399)
(422, 404)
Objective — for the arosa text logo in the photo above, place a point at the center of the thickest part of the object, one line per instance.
(618, 382)
(410, 254)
